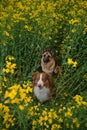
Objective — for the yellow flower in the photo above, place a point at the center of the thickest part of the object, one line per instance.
(20, 6)
(11, 71)
(60, 110)
(10, 58)
(75, 120)
(56, 127)
(84, 103)
(50, 121)
(44, 113)
(1, 105)
(40, 121)
(21, 107)
(5, 79)
(6, 33)
(10, 94)
(8, 27)
(46, 118)
(8, 64)
(7, 125)
(74, 21)
(60, 120)
(13, 66)
(68, 114)
(79, 100)
(73, 30)
(50, 37)
(50, 114)
(75, 64)
(70, 61)
(29, 28)
(77, 125)
(34, 122)
(6, 70)
(15, 101)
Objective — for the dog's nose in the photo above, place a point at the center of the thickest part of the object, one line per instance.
(40, 86)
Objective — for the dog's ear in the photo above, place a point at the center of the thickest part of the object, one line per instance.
(44, 50)
(52, 51)
(35, 74)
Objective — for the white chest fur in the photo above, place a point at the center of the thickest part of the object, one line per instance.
(41, 94)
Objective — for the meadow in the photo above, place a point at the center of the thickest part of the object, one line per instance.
(26, 26)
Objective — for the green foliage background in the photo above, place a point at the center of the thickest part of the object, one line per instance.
(26, 26)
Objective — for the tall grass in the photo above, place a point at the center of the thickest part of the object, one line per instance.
(26, 26)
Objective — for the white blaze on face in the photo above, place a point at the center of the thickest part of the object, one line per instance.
(40, 82)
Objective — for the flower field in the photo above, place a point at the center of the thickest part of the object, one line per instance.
(26, 26)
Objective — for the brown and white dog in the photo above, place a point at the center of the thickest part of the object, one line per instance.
(43, 86)
(48, 63)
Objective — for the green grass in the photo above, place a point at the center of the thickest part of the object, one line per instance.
(25, 28)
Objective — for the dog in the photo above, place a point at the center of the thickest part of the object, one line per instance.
(48, 63)
(43, 86)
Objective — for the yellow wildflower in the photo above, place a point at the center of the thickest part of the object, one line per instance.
(75, 64)
(15, 101)
(5, 79)
(10, 58)
(78, 98)
(29, 28)
(7, 125)
(40, 121)
(50, 121)
(56, 127)
(74, 21)
(68, 114)
(21, 107)
(70, 61)
(6, 33)
(77, 125)
(60, 120)
(34, 122)
(46, 118)
(1, 105)
(73, 30)
(75, 120)
(5, 70)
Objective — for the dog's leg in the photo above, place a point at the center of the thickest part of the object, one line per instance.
(57, 70)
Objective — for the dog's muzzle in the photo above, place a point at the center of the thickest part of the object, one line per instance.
(46, 59)
(40, 86)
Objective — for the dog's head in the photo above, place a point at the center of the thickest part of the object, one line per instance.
(47, 55)
(41, 80)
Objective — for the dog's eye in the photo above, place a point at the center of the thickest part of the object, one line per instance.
(45, 80)
(48, 56)
(44, 55)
